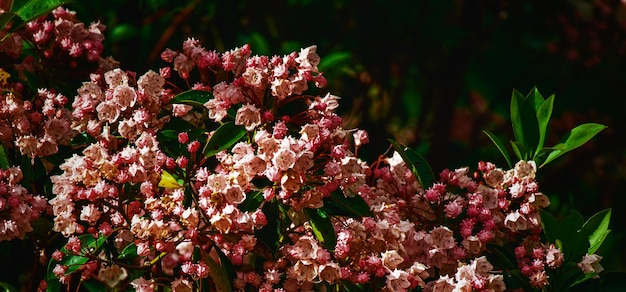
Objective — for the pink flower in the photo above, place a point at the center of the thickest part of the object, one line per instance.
(179, 110)
(111, 275)
(142, 285)
(248, 116)
(591, 264)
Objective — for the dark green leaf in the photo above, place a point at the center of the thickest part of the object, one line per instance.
(226, 264)
(252, 202)
(5, 18)
(4, 160)
(218, 274)
(7, 287)
(549, 225)
(195, 98)
(500, 145)
(225, 136)
(416, 163)
(596, 229)
(524, 120)
(338, 204)
(94, 285)
(574, 139)
(543, 118)
(322, 227)
(270, 233)
(568, 231)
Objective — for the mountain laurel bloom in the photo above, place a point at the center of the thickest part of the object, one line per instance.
(282, 202)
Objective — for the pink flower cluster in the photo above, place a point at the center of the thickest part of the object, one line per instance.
(36, 128)
(17, 207)
(68, 34)
(174, 213)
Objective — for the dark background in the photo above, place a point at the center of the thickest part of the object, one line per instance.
(431, 74)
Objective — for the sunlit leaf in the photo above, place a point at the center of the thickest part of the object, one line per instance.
(225, 136)
(543, 118)
(31, 10)
(596, 229)
(322, 227)
(168, 181)
(574, 139)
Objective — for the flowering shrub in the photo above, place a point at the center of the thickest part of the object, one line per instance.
(246, 180)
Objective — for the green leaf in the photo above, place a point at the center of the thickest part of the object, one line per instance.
(31, 10)
(416, 163)
(568, 231)
(168, 181)
(226, 264)
(524, 120)
(543, 119)
(4, 160)
(94, 285)
(549, 225)
(338, 204)
(129, 252)
(596, 229)
(225, 136)
(517, 101)
(500, 145)
(574, 139)
(252, 202)
(218, 274)
(519, 150)
(7, 287)
(322, 227)
(196, 98)
(334, 60)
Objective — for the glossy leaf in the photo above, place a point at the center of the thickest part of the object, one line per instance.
(168, 181)
(500, 145)
(596, 229)
(196, 98)
(416, 163)
(31, 10)
(225, 136)
(338, 204)
(252, 202)
(322, 227)
(574, 139)
(129, 252)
